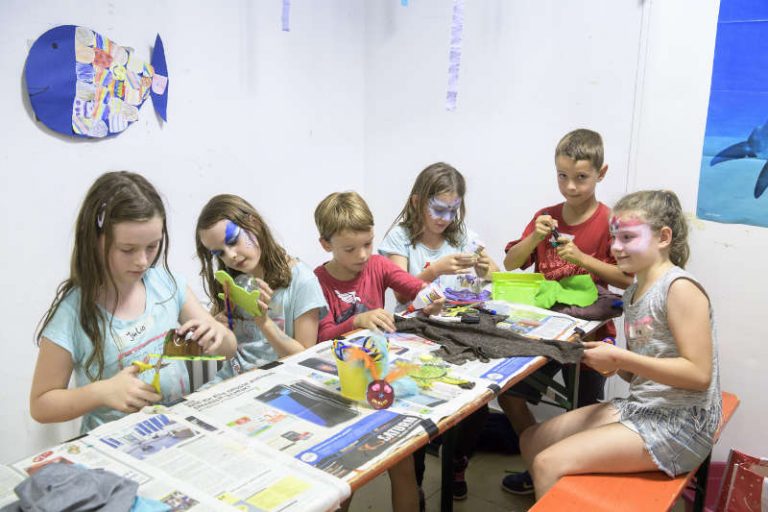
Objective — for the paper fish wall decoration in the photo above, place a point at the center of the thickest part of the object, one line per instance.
(82, 84)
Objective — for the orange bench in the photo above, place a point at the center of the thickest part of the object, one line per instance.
(629, 492)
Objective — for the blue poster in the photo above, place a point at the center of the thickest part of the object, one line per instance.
(734, 164)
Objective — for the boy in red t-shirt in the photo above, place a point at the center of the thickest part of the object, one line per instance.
(354, 283)
(583, 247)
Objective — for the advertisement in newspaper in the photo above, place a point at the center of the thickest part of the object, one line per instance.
(249, 478)
(276, 408)
(433, 390)
(152, 484)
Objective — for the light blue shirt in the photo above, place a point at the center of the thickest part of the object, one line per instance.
(397, 241)
(253, 349)
(139, 339)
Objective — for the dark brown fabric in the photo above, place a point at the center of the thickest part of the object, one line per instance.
(464, 342)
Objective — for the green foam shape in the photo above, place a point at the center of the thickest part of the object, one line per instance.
(248, 301)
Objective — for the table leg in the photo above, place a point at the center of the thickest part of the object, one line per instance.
(446, 459)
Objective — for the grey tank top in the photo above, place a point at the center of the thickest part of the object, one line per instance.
(647, 332)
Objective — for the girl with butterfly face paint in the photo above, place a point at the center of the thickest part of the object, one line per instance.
(232, 236)
(429, 240)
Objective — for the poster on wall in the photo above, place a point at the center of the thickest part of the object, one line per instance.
(734, 164)
(83, 84)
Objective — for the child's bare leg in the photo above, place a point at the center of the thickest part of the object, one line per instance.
(517, 412)
(543, 435)
(405, 492)
(611, 448)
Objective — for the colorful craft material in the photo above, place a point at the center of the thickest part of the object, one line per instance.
(184, 348)
(247, 300)
(428, 295)
(82, 84)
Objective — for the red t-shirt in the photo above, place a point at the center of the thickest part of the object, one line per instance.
(592, 237)
(363, 293)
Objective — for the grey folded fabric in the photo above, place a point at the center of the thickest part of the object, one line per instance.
(59, 486)
(464, 342)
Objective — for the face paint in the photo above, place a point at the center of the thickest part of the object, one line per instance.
(440, 210)
(631, 236)
(231, 236)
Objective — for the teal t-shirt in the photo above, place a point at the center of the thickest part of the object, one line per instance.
(302, 294)
(126, 341)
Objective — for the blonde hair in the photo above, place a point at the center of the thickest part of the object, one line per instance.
(582, 144)
(342, 211)
(660, 208)
(438, 178)
(113, 198)
(274, 259)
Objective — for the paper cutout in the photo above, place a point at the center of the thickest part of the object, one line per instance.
(248, 301)
(80, 82)
(454, 54)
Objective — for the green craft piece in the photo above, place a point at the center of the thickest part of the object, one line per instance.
(247, 301)
(577, 290)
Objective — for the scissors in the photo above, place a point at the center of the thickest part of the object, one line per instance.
(147, 366)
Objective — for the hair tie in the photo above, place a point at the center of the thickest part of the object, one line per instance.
(100, 216)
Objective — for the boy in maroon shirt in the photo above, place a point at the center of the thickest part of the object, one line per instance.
(583, 243)
(354, 283)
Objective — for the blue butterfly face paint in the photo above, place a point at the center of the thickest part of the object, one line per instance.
(231, 236)
(441, 210)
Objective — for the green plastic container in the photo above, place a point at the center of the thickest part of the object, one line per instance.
(516, 287)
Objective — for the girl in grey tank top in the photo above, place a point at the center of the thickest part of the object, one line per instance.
(669, 419)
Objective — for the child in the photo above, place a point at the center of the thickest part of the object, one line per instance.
(354, 283)
(674, 406)
(231, 232)
(429, 240)
(115, 308)
(585, 249)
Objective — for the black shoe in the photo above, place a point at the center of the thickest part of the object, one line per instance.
(518, 483)
(459, 486)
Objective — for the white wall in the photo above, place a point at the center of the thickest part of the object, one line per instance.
(353, 98)
(274, 116)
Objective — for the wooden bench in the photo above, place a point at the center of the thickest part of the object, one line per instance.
(629, 492)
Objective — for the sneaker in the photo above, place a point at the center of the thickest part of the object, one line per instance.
(459, 487)
(518, 483)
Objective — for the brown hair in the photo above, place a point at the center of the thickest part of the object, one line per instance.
(438, 178)
(582, 144)
(660, 208)
(274, 259)
(342, 211)
(113, 198)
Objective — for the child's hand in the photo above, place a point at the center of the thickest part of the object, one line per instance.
(265, 297)
(378, 319)
(435, 308)
(206, 332)
(569, 251)
(125, 392)
(544, 226)
(601, 356)
(483, 264)
(454, 264)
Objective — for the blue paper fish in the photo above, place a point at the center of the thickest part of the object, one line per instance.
(82, 84)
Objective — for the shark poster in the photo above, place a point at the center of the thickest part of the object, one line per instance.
(734, 164)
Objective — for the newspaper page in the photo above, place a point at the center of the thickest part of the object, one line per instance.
(9, 479)
(304, 419)
(177, 495)
(442, 389)
(248, 478)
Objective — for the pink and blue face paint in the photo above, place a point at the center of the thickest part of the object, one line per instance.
(231, 236)
(632, 236)
(440, 210)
